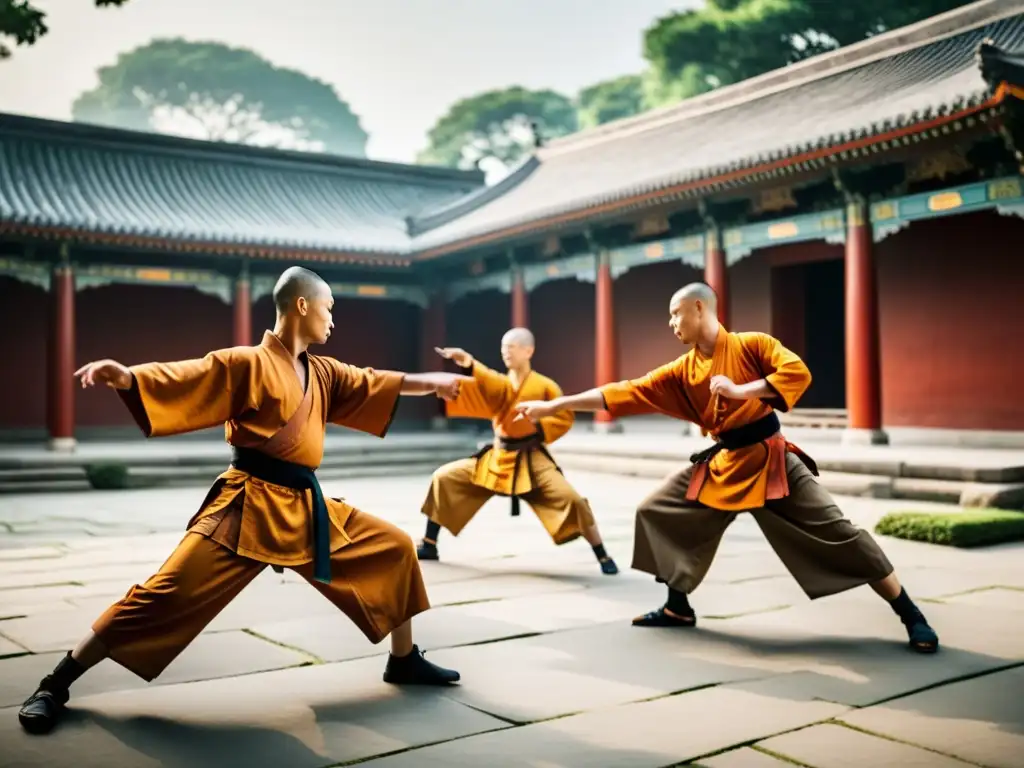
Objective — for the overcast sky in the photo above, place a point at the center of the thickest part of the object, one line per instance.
(399, 63)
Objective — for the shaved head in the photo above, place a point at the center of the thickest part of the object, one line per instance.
(296, 282)
(521, 336)
(701, 292)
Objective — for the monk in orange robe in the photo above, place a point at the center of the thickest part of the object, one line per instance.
(730, 385)
(275, 400)
(517, 464)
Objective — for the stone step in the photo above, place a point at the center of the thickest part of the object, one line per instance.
(966, 493)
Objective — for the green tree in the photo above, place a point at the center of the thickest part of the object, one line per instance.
(497, 127)
(727, 41)
(224, 94)
(610, 100)
(22, 21)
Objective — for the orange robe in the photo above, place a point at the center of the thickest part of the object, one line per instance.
(734, 480)
(245, 523)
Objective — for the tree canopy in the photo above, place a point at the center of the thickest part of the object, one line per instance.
(497, 128)
(610, 100)
(727, 41)
(220, 93)
(21, 20)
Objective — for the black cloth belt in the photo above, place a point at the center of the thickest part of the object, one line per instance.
(522, 446)
(749, 434)
(299, 478)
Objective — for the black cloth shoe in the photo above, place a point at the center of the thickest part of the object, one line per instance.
(922, 637)
(427, 551)
(659, 618)
(43, 709)
(416, 670)
(608, 566)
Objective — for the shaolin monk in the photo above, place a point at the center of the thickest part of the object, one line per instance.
(275, 400)
(731, 384)
(517, 464)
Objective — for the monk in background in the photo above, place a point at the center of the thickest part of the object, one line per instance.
(730, 385)
(517, 464)
(275, 401)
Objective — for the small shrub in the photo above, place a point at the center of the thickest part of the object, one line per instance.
(107, 477)
(969, 528)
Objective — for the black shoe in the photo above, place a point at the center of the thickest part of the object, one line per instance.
(42, 710)
(922, 637)
(416, 670)
(608, 566)
(659, 618)
(426, 551)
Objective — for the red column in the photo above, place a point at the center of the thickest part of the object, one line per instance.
(61, 400)
(433, 335)
(715, 273)
(863, 385)
(243, 312)
(520, 301)
(605, 351)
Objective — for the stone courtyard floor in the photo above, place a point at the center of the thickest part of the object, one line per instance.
(553, 674)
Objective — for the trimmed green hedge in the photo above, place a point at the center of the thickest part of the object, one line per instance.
(107, 477)
(969, 528)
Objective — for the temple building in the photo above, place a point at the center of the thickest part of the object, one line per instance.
(865, 206)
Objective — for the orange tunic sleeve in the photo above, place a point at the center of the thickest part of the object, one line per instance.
(174, 398)
(554, 427)
(785, 372)
(362, 398)
(488, 394)
(663, 390)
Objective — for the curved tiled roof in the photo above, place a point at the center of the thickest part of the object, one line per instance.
(126, 184)
(901, 79)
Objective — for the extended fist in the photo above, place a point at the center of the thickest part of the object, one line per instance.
(109, 372)
(534, 409)
(460, 357)
(449, 385)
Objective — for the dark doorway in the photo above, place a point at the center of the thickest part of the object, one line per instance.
(808, 316)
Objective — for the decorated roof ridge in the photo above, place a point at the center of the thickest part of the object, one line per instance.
(43, 129)
(428, 220)
(850, 57)
(999, 65)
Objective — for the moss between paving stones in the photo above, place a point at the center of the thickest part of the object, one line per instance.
(968, 528)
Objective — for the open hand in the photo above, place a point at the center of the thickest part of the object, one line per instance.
(449, 385)
(460, 357)
(109, 372)
(533, 410)
(723, 386)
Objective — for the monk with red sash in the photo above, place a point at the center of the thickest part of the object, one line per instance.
(730, 385)
(275, 401)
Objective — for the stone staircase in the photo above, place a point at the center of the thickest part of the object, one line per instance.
(815, 418)
(151, 463)
(963, 477)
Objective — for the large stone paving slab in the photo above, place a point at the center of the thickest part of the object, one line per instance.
(224, 654)
(7, 648)
(833, 746)
(743, 758)
(995, 598)
(980, 720)
(649, 734)
(311, 717)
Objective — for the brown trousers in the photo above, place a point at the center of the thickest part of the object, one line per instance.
(676, 539)
(453, 499)
(376, 582)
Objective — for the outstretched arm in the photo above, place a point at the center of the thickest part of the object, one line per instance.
(445, 385)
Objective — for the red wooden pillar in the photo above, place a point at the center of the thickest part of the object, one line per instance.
(520, 301)
(433, 335)
(863, 371)
(605, 350)
(61, 383)
(243, 311)
(715, 273)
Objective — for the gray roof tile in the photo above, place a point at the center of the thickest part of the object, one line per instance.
(905, 77)
(106, 181)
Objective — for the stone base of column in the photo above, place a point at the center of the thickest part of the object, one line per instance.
(852, 436)
(438, 424)
(608, 427)
(63, 444)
